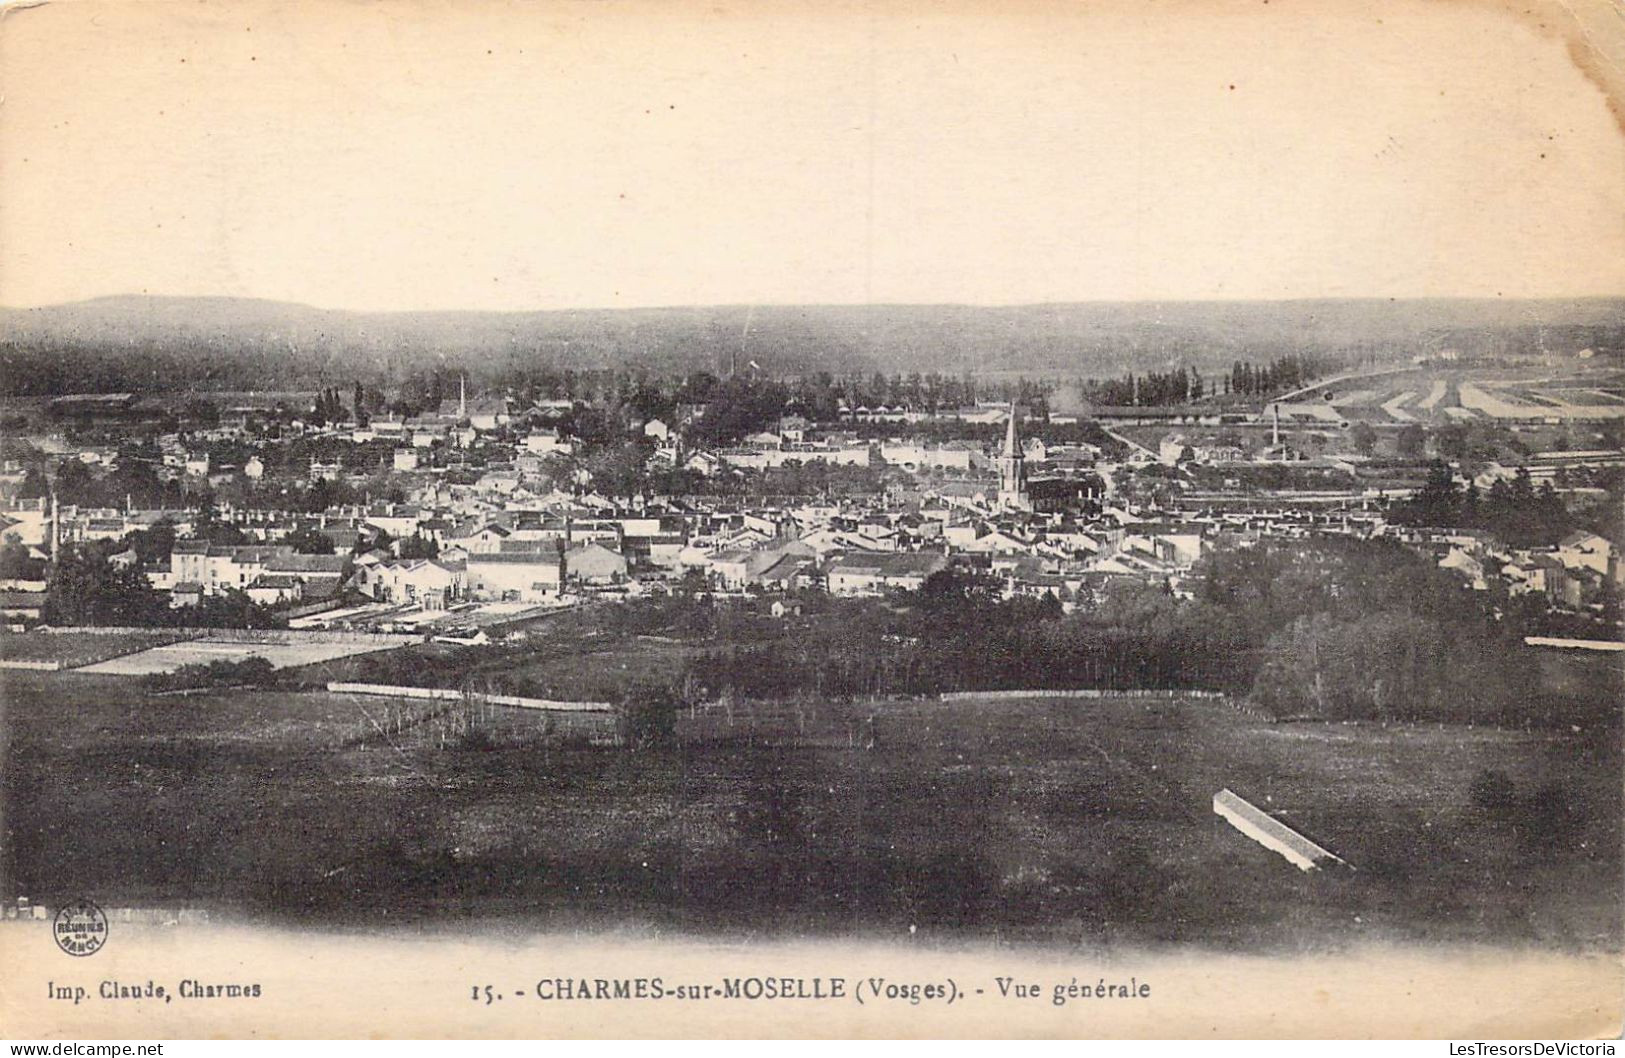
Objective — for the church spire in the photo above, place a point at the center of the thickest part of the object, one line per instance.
(1012, 483)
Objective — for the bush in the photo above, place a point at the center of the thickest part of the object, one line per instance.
(1493, 793)
(646, 715)
(252, 671)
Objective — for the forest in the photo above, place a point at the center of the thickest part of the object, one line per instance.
(154, 345)
(1336, 629)
(1514, 511)
(1187, 384)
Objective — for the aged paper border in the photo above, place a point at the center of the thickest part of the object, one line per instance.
(398, 983)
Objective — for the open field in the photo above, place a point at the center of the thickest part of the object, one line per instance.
(566, 656)
(1441, 393)
(1067, 821)
(288, 654)
(571, 670)
(604, 670)
(72, 649)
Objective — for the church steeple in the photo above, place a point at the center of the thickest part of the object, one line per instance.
(1012, 477)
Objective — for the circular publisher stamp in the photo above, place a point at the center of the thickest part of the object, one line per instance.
(80, 928)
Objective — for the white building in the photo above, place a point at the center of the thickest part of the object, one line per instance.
(532, 576)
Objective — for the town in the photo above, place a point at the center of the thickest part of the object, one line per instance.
(740, 646)
(1005, 506)
(445, 512)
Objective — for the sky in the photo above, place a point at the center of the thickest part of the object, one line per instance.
(482, 155)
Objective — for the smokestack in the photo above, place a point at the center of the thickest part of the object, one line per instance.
(56, 529)
(462, 396)
(1275, 424)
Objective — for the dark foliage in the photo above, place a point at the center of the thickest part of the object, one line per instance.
(1493, 792)
(1515, 512)
(646, 715)
(309, 542)
(251, 672)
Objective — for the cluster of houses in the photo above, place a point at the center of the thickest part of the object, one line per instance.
(269, 574)
(1573, 575)
(1043, 521)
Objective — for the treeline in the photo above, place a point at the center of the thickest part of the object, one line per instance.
(939, 431)
(747, 393)
(1329, 629)
(1150, 389)
(1185, 384)
(1336, 629)
(959, 639)
(1278, 376)
(1390, 665)
(1515, 512)
(86, 587)
(134, 478)
(1349, 629)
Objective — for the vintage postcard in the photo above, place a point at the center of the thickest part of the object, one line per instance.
(889, 519)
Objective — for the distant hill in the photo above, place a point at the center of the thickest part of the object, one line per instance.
(151, 344)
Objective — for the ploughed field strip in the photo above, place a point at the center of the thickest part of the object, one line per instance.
(1423, 397)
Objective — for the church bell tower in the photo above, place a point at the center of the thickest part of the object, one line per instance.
(1012, 471)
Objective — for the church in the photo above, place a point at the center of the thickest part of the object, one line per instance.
(1043, 495)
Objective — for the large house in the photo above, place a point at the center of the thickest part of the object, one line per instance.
(738, 569)
(594, 564)
(851, 574)
(539, 573)
(1587, 550)
(432, 582)
(515, 576)
(209, 569)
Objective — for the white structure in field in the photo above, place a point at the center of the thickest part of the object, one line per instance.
(1272, 833)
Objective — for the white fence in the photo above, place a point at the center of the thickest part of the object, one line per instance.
(1574, 644)
(447, 694)
(1086, 692)
(32, 666)
(239, 635)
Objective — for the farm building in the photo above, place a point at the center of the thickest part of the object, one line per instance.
(871, 574)
(515, 576)
(594, 564)
(270, 589)
(93, 405)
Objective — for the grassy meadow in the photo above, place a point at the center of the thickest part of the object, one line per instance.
(1082, 822)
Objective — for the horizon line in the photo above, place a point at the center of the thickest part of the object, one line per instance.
(670, 306)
